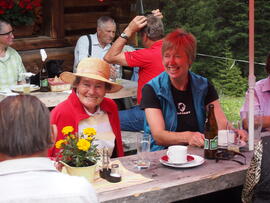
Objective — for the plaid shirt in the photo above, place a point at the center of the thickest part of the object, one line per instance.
(11, 67)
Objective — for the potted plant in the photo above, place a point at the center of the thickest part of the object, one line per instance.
(21, 14)
(78, 153)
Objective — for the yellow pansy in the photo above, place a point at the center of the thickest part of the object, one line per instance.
(71, 136)
(83, 145)
(89, 138)
(68, 129)
(59, 143)
(89, 131)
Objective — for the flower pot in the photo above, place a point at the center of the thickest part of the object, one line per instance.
(23, 31)
(88, 171)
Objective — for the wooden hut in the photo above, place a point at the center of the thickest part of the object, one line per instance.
(61, 22)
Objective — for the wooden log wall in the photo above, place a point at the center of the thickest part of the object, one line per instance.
(64, 21)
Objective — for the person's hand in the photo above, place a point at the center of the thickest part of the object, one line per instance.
(157, 13)
(58, 166)
(243, 134)
(196, 139)
(135, 25)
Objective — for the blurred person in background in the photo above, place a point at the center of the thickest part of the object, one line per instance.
(11, 65)
(261, 98)
(148, 60)
(95, 45)
(26, 174)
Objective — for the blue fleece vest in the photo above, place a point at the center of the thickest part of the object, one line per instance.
(162, 87)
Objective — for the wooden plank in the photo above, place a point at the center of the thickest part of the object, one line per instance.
(38, 43)
(172, 184)
(57, 23)
(79, 26)
(87, 17)
(72, 39)
(51, 99)
(77, 21)
(32, 60)
(83, 3)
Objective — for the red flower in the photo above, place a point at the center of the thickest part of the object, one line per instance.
(36, 3)
(29, 7)
(19, 12)
(3, 5)
(6, 4)
(21, 4)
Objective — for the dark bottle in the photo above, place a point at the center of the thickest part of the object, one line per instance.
(211, 134)
(43, 77)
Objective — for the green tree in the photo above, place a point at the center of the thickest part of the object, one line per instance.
(229, 81)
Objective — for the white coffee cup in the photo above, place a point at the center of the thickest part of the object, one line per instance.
(224, 136)
(177, 154)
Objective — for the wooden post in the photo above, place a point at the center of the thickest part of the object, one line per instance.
(251, 77)
(57, 30)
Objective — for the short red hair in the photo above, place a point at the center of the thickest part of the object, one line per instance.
(180, 39)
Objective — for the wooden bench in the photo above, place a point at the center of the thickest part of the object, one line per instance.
(32, 60)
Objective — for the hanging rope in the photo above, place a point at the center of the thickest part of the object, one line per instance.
(225, 58)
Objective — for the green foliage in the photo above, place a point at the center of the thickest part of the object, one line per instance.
(231, 107)
(229, 80)
(220, 26)
(78, 150)
(16, 17)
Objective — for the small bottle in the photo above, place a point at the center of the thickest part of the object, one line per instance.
(211, 134)
(43, 77)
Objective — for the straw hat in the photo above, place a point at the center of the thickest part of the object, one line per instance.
(93, 68)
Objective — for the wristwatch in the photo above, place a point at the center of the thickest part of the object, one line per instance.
(124, 35)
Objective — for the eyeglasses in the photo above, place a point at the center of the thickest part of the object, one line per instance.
(225, 154)
(7, 33)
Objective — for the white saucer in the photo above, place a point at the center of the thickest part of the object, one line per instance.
(19, 88)
(198, 160)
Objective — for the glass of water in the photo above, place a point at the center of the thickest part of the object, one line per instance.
(143, 149)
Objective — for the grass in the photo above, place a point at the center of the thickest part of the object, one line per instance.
(231, 107)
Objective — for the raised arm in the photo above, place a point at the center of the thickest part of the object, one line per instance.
(115, 54)
(166, 138)
(220, 116)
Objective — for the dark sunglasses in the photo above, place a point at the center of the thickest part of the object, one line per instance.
(8, 33)
(225, 154)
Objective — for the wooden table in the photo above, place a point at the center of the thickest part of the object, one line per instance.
(172, 184)
(51, 99)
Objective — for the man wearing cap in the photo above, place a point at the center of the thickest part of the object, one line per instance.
(87, 107)
(148, 60)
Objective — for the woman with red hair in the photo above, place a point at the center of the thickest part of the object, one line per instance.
(175, 102)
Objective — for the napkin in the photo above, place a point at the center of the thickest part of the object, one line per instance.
(129, 178)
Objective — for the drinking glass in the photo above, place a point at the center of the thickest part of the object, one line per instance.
(26, 85)
(258, 115)
(143, 147)
(116, 73)
(233, 138)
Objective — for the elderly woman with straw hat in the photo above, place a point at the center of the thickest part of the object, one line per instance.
(87, 107)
